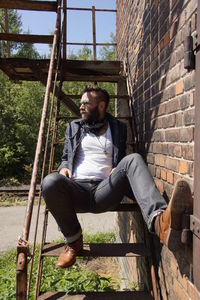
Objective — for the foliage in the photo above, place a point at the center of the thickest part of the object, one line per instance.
(20, 111)
(14, 25)
(21, 105)
(77, 278)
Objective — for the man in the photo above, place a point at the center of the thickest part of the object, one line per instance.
(95, 175)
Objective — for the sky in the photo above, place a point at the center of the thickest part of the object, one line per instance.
(79, 23)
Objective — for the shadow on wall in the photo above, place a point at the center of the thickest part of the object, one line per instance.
(150, 67)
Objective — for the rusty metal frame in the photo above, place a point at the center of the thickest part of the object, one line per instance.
(22, 249)
(23, 254)
(196, 213)
(93, 10)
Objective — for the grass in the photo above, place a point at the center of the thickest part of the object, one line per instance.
(6, 201)
(82, 277)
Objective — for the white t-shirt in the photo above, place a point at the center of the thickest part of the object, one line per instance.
(94, 157)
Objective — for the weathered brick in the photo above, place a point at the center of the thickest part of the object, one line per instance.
(179, 119)
(188, 117)
(150, 158)
(163, 174)
(152, 170)
(191, 169)
(158, 172)
(192, 98)
(172, 164)
(179, 87)
(165, 149)
(183, 167)
(158, 136)
(169, 121)
(160, 160)
(175, 150)
(188, 152)
(159, 184)
(157, 147)
(170, 177)
(172, 135)
(164, 94)
(187, 134)
(173, 106)
(184, 101)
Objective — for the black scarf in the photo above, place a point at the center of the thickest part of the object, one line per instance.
(94, 127)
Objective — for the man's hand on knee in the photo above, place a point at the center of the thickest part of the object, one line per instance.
(66, 172)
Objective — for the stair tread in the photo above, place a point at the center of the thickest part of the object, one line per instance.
(101, 250)
(128, 295)
(73, 70)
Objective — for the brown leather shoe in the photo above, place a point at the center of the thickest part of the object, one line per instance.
(68, 255)
(168, 224)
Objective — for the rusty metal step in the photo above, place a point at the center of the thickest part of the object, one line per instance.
(73, 70)
(101, 250)
(128, 295)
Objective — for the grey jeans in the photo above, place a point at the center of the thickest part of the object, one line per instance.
(65, 197)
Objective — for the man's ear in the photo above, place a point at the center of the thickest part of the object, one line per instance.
(102, 106)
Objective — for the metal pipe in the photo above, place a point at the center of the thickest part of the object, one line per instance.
(94, 33)
(7, 31)
(64, 29)
(90, 9)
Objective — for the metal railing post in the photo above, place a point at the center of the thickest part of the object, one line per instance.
(94, 32)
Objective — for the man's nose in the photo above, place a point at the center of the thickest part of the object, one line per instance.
(82, 105)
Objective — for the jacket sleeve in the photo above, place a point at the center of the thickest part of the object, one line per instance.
(64, 158)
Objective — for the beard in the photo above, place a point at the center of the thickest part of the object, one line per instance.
(93, 116)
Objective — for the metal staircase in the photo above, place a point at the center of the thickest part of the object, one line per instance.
(52, 73)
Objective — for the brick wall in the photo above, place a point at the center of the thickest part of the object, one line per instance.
(150, 38)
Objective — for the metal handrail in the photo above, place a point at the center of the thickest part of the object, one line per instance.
(22, 291)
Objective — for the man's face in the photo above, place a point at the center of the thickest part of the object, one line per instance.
(89, 107)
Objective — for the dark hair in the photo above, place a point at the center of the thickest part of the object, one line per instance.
(101, 93)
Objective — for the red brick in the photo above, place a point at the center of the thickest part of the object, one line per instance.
(172, 164)
(188, 152)
(183, 167)
(160, 160)
(172, 135)
(188, 117)
(187, 134)
(163, 174)
(159, 184)
(169, 121)
(157, 147)
(170, 177)
(179, 87)
(173, 105)
(174, 150)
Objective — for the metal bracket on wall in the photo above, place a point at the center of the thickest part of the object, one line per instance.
(189, 57)
(195, 226)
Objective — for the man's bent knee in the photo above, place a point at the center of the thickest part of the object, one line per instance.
(133, 157)
(50, 182)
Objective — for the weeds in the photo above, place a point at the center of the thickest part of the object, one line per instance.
(78, 278)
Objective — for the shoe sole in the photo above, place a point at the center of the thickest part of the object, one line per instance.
(180, 203)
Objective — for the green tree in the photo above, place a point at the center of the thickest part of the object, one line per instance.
(14, 25)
